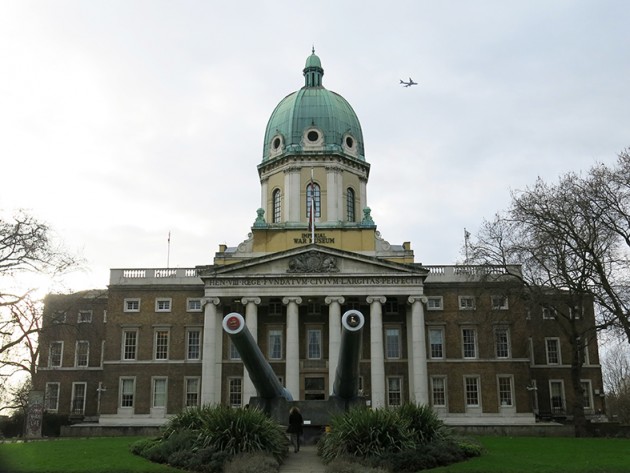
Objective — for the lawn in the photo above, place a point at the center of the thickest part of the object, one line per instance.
(502, 455)
(95, 455)
(547, 455)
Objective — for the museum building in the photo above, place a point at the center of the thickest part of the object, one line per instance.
(461, 338)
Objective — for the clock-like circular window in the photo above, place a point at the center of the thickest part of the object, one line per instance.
(312, 136)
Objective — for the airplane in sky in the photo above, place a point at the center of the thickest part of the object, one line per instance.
(408, 84)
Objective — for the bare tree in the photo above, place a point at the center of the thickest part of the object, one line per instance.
(552, 230)
(27, 245)
(616, 371)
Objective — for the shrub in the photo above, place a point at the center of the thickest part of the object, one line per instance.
(365, 432)
(211, 435)
(252, 463)
(424, 422)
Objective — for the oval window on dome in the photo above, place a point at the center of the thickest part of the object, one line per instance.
(276, 143)
(349, 142)
(312, 136)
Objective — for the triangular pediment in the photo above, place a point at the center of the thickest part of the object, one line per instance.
(312, 260)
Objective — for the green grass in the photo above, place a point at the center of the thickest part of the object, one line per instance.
(502, 455)
(547, 455)
(94, 455)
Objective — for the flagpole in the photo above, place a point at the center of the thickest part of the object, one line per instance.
(168, 252)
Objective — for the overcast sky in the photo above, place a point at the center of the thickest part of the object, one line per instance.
(123, 120)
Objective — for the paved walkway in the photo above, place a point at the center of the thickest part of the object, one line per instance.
(304, 461)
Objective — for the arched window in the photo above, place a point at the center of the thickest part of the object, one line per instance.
(313, 194)
(277, 206)
(350, 205)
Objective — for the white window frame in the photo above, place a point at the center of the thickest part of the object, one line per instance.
(587, 385)
(233, 353)
(499, 302)
(199, 344)
(131, 304)
(391, 393)
(235, 396)
(393, 351)
(73, 398)
(579, 310)
(163, 304)
(197, 302)
(59, 317)
(311, 355)
(122, 382)
(465, 343)
(77, 353)
(275, 333)
(48, 397)
(162, 396)
(466, 302)
(84, 317)
(477, 385)
(391, 306)
(58, 343)
(443, 393)
(548, 351)
(164, 350)
(190, 393)
(501, 391)
(123, 345)
(275, 307)
(508, 343)
(549, 312)
(561, 409)
(435, 303)
(439, 330)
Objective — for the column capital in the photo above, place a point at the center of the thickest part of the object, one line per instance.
(247, 300)
(288, 299)
(413, 299)
(373, 299)
(330, 299)
(210, 300)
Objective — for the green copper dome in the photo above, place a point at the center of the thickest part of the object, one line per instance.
(313, 120)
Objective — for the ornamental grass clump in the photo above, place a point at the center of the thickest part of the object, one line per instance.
(204, 439)
(364, 432)
(405, 439)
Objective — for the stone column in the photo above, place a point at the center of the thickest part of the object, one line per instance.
(212, 353)
(251, 320)
(266, 199)
(377, 362)
(418, 352)
(334, 336)
(362, 197)
(292, 375)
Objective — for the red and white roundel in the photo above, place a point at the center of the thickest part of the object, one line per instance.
(233, 323)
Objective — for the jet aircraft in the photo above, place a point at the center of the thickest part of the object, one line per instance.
(408, 84)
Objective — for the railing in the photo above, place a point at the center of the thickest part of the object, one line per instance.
(154, 276)
(468, 272)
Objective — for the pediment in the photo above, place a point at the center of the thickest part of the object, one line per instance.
(312, 260)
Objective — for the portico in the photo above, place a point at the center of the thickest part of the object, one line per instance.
(315, 286)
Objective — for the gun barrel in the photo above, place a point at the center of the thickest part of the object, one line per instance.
(347, 376)
(260, 372)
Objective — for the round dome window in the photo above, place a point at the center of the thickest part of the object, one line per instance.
(349, 142)
(312, 136)
(276, 143)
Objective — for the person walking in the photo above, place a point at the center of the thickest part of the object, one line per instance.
(296, 423)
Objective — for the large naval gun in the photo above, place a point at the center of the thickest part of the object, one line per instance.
(275, 399)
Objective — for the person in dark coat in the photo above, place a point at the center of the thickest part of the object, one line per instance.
(296, 423)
